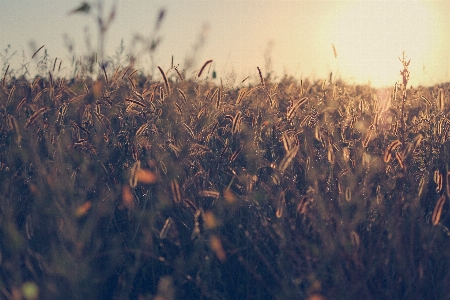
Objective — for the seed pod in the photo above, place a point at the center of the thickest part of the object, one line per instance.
(198, 223)
(348, 194)
(438, 180)
(294, 107)
(281, 205)
(379, 195)
(388, 153)
(35, 115)
(175, 191)
(426, 100)
(346, 154)
(399, 158)
(235, 154)
(421, 186)
(287, 159)
(236, 123)
(417, 141)
(169, 223)
(330, 154)
(133, 175)
(286, 142)
(441, 99)
(436, 216)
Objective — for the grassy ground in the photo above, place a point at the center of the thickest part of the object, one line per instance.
(126, 187)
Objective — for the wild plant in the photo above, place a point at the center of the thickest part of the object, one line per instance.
(129, 186)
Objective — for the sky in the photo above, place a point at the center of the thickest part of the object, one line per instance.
(294, 38)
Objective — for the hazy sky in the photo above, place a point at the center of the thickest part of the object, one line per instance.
(297, 36)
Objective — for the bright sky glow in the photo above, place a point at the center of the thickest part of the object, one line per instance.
(297, 36)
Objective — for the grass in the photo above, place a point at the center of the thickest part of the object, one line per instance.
(125, 187)
(113, 186)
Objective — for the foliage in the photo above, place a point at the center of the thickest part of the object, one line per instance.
(123, 187)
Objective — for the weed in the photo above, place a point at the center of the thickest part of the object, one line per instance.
(120, 187)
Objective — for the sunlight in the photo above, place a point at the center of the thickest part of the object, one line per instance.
(370, 36)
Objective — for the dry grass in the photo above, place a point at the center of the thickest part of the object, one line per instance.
(120, 188)
(114, 184)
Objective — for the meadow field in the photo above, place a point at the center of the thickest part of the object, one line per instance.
(117, 184)
(129, 187)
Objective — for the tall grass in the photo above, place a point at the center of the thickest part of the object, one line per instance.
(124, 187)
(267, 191)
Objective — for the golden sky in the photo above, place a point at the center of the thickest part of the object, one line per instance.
(285, 37)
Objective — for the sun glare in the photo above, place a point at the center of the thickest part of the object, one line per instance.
(370, 36)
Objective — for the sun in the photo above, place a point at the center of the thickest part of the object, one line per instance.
(369, 36)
